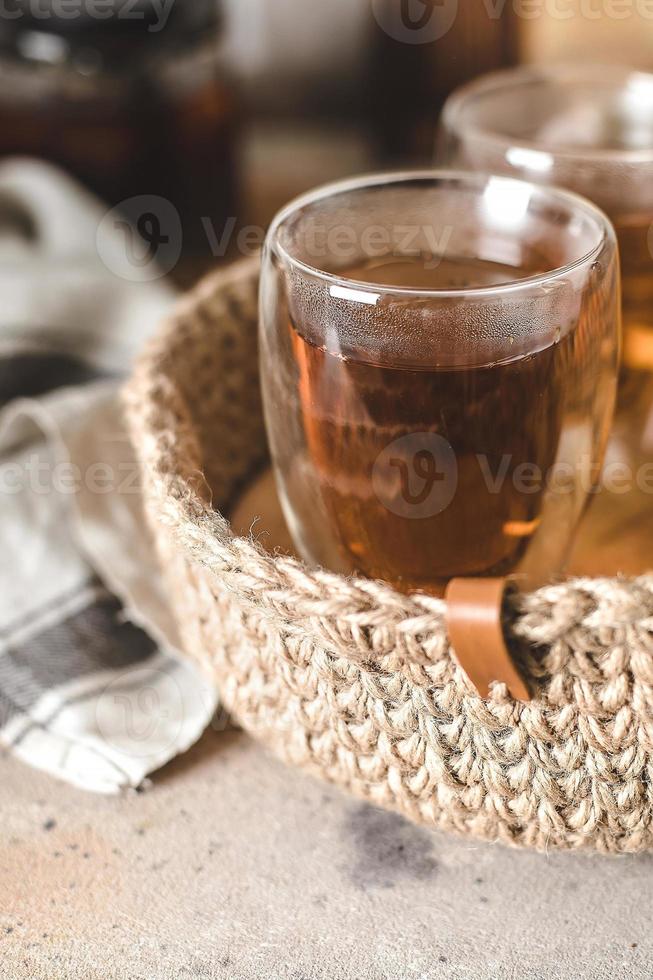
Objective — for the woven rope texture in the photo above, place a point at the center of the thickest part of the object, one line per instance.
(354, 681)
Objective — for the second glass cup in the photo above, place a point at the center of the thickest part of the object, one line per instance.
(438, 357)
(588, 128)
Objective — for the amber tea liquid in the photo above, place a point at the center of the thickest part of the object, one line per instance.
(636, 387)
(426, 473)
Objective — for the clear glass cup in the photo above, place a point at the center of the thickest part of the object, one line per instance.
(588, 129)
(438, 358)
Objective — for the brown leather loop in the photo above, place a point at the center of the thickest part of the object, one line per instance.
(476, 634)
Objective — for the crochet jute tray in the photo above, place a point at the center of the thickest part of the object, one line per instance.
(354, 681)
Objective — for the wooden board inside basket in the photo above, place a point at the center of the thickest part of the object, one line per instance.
(615, 536)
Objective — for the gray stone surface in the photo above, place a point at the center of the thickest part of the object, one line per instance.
(232, 866)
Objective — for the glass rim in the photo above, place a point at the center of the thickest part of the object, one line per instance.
(575, 203)
(513, 79)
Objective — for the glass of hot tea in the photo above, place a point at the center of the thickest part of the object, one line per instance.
(438, 356)
(589, 129)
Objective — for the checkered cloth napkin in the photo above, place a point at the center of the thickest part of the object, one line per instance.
(91, 689)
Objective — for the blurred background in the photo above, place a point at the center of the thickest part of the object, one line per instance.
(227, 108)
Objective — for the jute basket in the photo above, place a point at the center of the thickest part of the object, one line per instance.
(352, 680)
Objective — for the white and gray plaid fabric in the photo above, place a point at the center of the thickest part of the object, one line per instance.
(90, 687)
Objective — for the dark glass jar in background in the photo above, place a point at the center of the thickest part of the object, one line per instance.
(421, 51)
(130, 98)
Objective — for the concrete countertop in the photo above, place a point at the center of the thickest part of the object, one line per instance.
(232, 866)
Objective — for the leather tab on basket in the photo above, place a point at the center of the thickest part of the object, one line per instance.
(476, 634)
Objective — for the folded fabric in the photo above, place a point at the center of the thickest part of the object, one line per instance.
(91, 687)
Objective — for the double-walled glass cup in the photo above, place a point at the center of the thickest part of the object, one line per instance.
(589, 129)
(438, 358)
